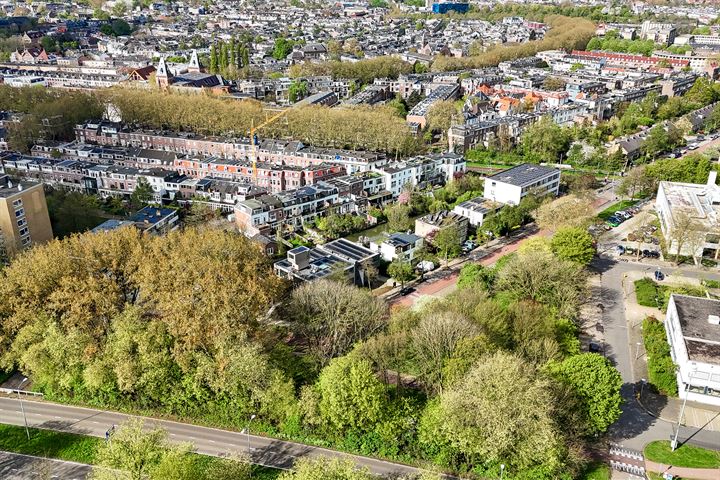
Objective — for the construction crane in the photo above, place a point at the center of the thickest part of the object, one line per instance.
(253, 138)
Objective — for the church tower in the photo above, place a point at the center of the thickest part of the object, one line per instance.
(194, 65)
(161, 76)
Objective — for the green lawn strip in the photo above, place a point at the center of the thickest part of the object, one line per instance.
(648, 293)
(610, 211)
(46, 443)
(687, 456)
(596, 471)
(81, 448)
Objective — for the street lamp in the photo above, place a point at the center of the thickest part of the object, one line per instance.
(22, 408)
(673, 443)
(502, 470)
(247, 431)
(642, 387)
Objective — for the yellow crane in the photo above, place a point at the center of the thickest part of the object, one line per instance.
(253, 140)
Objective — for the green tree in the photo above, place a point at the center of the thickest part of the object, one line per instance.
(282, 48)
(120, 27)
(133, 450)
(596, 383)
(298, 90)
(544, 141)
(351, 396)
(401, 271)
(333, 316)
(398, 217)
(142, 195)
(322, 468)
(574, 244)
(502, 412)
(448, 241)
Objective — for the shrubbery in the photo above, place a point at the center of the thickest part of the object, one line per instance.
(661, 369)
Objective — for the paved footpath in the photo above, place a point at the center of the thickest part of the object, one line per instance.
(15, 466)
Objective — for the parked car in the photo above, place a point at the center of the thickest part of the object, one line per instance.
(659, 276)
(614, 221)
(406, 291)
(620, 249)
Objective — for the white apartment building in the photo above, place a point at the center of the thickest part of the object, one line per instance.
(476, 210)
(679, 203)
(511, 186)
(692, 327)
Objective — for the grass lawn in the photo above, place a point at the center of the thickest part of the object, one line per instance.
(685, 456)
(596, 471)
(81, 449)
(44, 443)
(610, 211)
(648, 293)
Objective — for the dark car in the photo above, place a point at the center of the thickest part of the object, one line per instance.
(659, 276)
(407, 291)
(595, 347)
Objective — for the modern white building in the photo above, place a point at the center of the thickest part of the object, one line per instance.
(476, 210)
(397, 245)
(692, 326)
(689, 216)
(513, 185)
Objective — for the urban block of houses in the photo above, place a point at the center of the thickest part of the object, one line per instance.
(692, 328)
(689, 216)
(306, 264)
(511, 186)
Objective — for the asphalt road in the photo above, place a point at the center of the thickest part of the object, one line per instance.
(636, 427)
(14, 466)
(208, 441)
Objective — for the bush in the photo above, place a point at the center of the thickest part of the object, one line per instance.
(661, 369)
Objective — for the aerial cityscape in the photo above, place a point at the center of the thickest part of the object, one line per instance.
(362, 239)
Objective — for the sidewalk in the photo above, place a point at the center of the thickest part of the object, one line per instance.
(694, 473)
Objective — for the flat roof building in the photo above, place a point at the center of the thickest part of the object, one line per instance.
(692, 327)
(513, 185)
(689, 215)
(304, 264)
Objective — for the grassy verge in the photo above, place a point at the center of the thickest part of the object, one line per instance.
(661, 369)
(44, 443)
(648, 293)
(596, 471)
(610, 211)
(686, 456)
(80, 448)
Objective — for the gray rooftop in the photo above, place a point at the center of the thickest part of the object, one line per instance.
(522, 175)
(702, 339)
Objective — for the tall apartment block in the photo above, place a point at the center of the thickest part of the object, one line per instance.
(24, 219)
